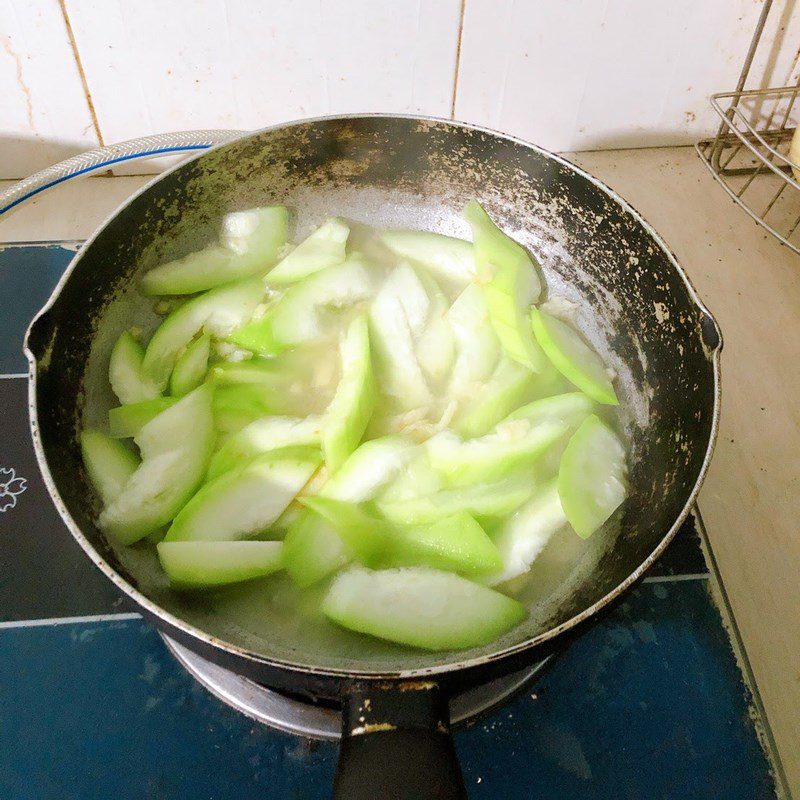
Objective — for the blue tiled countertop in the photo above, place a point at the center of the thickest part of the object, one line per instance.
(650, 703)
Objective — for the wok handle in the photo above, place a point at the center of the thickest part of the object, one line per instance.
(396, 745)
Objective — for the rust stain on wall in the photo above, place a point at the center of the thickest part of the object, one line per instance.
(20, 80)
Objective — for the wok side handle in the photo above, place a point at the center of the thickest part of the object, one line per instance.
(396, 744)
(710, 332)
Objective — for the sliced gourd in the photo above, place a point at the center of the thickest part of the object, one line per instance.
(175, 447)
(435, 343)
(446, 257)
(126, 373)
(573, 357)
(237, 406)
(457, 543)
(218, 312)
(251, 242)
(419, 607)
(509, 447)
(191, 367)
(259, 371)
(313, 549)
(521, 538)
(487, 500)
(416, 479)
(510, 284)
(263, 436)
(398, 315)
(296, 318)
(406, 285)
(257, 231)
(109, 464)
(571, 408)
(324, 248)
(200, 565)
(244, 502)
(510, 384)
(477, 346)
(591, 478)
(127, 421)
(348, 414)
(364, 536)
(373, 465)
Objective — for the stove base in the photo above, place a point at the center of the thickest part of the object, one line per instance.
(302, 718)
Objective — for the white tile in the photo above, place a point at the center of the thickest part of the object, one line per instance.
(66, 212)
(587, 75)
(153, 66)
(44, 114)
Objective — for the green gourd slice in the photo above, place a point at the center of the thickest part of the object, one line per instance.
(324, 248)
(295, 318)
(263, 436)
(348, 414)
(313, 549)
(573, 357)
(509, 385)
(591, 478)
(175, 447)
(522, 537)
(477, 348)
(510, 284)
(126, 421)
(490, 500)
(251, 242)
(244, 502)
(126, 374)
(201, 565)
(373, 465)
(511, 446)
(218, 312)
(447, 258)
(191, 367)
(397, 317)
(109, 464)
(364, 535)
(424, 608)
(457, 543)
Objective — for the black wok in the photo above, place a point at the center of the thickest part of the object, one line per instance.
(636, 305)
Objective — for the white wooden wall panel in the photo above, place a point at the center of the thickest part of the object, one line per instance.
(154, 66)
(44, 114)
(596, 74)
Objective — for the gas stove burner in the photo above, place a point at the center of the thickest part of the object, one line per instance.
(304, 718)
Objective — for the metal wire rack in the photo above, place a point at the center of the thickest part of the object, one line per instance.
(749, 156)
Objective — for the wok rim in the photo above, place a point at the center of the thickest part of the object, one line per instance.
(154, 611)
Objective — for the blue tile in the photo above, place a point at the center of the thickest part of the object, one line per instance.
(649, 703)
(43, 571)
(27, 277)
(101, 711)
